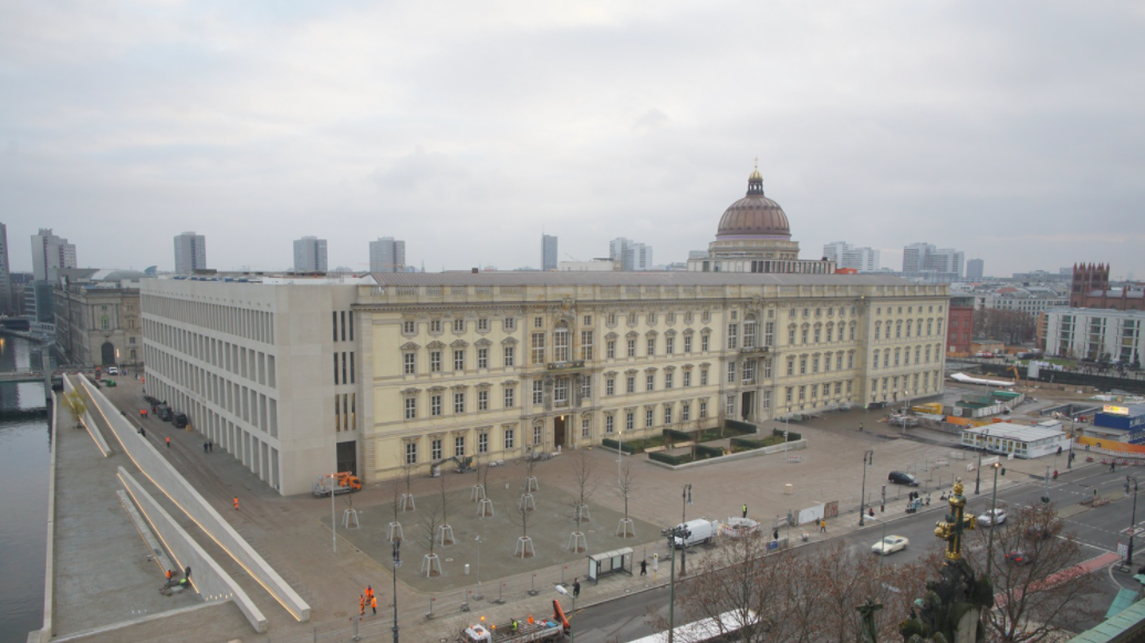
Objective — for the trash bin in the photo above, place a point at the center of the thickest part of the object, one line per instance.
(466, 569)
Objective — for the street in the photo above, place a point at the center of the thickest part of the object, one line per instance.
(1098, 531)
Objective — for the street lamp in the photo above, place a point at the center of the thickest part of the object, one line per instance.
(572, 633)
(686, 499)
(1133, 520)
(868, 460)
(397, 563)
(672, 533)
(978, 469)
(993, 521)
(1072, 439)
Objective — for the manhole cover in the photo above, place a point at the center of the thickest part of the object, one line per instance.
(449, 560)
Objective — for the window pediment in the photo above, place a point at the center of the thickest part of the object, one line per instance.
(459, 343)
(435, 345)
(509, 341)
(410, 346)
(483, 342)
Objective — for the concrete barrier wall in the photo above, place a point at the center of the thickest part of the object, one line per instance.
(208, 577)
(50, 564)
(90, 425)
(160, 472)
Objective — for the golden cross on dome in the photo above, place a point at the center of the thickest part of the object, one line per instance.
(757, 162)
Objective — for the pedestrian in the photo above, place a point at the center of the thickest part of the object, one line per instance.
(374, 604)
(361, 604)
(576, 587)
(369, 592)
(1113, 465)
(236, 503)
(775, 534)
(204, 447)
(860, 427)
(168, 443)
(644, 568)
(187, 572)
(170, 574)
(870, 511)
(1055, 474)
(745, 511)
(823, 526)
(211, 445)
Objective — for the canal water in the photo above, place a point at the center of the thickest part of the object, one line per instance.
(25, 444)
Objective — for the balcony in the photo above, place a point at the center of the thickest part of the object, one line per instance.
(566, 366)
(755, 350)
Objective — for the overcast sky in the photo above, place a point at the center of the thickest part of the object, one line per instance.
(1010, 130)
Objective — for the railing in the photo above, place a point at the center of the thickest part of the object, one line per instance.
(561, 366)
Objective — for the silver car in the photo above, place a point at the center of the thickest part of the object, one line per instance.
(992, 517)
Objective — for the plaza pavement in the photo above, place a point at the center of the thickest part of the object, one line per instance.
(293, 534)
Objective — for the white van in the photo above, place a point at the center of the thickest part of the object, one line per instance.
(699, 531)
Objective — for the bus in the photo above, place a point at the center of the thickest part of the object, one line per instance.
(724, 628)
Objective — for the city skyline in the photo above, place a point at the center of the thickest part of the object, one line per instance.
(891, 122)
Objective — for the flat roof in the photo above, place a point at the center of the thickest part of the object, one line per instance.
(1019, 432)
(627, 278)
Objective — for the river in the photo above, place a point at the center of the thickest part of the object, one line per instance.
(25, 445)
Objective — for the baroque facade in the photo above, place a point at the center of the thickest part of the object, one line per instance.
(497, 365)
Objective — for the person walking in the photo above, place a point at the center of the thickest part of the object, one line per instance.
(860, 427)
(576, 587)
(187, 572)
(361, 604)
(775, 534)
(369, 592)
(168, 443)
(644, 568)
(823, 526)
(374, 604)
(745, 510)
(1112, 465)
(204, 447)
(236, 503)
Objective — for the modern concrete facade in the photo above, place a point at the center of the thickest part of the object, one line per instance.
(310, 254)
(975, 269)
(190, 253)
(549, 257)
(97, 317)
(923, 259)
(630, 255)
(49, 254)
(387, 255)
(269, 371)
(1095, 333)
(501, 364)
(847, 256)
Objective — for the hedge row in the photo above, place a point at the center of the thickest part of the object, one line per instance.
(704, 452)
(672, 435)
(669, 459)
(791, 435)
(740, 427)
(613, 444)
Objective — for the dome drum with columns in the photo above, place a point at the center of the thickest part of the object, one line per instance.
(754, 236)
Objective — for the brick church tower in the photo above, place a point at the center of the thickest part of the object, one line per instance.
(1086, 279)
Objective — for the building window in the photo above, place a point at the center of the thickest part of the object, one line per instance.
(509, 394)
(435, 361)
(538, 322)
(749, 331)
(703, 409)
(508, 438)
(435, 449)
(667, 416)
(585, 427)
(586, 345)
(802, 364)
(827, 362)
(411, 408)
(410, 363)
(830, 332)
(650, 382)
(459, 402)
(482, 358)
(632, 347)
(459, 325)
(510, 356)
(104, 324)
(687, 378)
(459, 445)
(482, 400)
(731, 372)
(435, 326)
(610, 386)
(483, 325)
(435, 405)
(630, 384)
(685, 411)
(703, 377)
(733, 336)
(611, 348)
(538, 348)
(791, 335)
(803, 334)
(561, 391)
(668, 377)
(538, 435)
(538, 392)
(687, 343)
(483, 443)
(611, 319)
(629, 421)
(509, 324)
(651, 346)
(561, 343)
(876, 360)
(586, 387)
(705, 342)
(409, 328)
(411, 452)
(670, 345)
(649, 418)
(609, 424)
(730, 405)
(802, 393)
(459, 359)
(749, 371)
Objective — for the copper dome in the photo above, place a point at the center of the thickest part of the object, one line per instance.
(754, 215)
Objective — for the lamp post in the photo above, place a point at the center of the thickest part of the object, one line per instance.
(686, 499)
(1072, 439)
(868, 460)
(978, 469)
(397, 563)
(572, 632)
(993, 521)
(1133, 520)
(672, 533)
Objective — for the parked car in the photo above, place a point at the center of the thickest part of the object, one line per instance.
(1019, 557)
(180, 420)
(890, 545)
(697, 532)
(992, 517)
(165, 413)
(113, 370)
(900, 477)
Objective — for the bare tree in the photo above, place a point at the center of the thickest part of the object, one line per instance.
(1039, 592)
(76, 404)
(430, 522)
(407, 501)
(625, 486)
(445, 494)
(584, 482)
(396, 500)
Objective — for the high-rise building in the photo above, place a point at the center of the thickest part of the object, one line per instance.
(190, 253)
(387, 255)
(974, 269)
(630, 255)
(5, 275)
(943, 263)
(50, 253)
(310, 254)
(548, 252)
(847, 256)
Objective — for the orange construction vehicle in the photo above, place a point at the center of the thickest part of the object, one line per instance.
(341, 482)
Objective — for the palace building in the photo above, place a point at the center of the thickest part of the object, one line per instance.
(301, 377)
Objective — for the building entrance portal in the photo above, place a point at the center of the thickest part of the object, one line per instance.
(107, 354)
(747, 406)
(559, 430)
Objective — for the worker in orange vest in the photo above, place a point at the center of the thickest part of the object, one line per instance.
(361, 605)
(236, 503)
(374, 604)
(369, 592)
(168, 443)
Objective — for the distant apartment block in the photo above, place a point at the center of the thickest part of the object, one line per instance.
(918, 259)
(50, 253)
(630, 255)
(974, 269)
(847, 256)
(5, 274)
(190, 253)
(387, 255)
(310, 254)
(549, 252)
